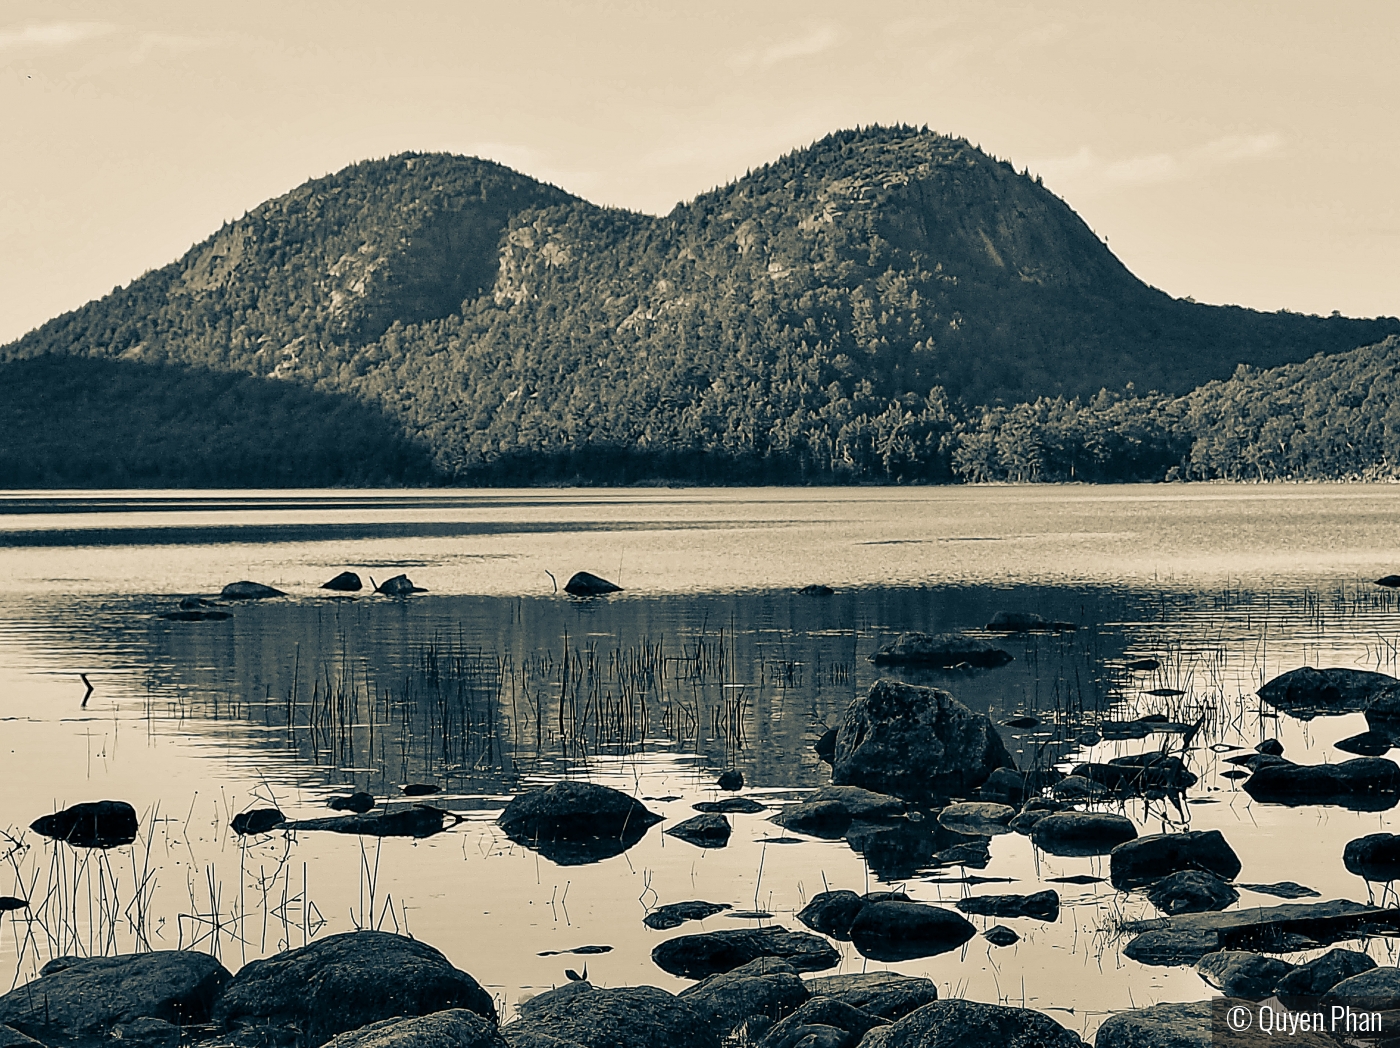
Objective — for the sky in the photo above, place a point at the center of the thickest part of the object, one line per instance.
(1241, 152)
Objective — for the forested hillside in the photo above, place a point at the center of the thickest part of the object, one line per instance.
(839, 314)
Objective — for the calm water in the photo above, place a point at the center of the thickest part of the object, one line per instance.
(708, 660)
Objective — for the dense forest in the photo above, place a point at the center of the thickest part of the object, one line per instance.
(886, 305)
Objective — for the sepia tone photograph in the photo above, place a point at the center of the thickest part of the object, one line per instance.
(731, 525)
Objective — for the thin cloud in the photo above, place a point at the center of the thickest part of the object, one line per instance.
(1087, 172)
(814, 43)
(51, 35)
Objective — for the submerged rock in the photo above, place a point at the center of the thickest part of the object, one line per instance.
(585, 1016)
(1073, 789)
(970, 1024)
(585, 584)
(576, 822)
(915, 743)
(346, 981)
(816, 589)
(1307, 692)
(248, 591)
(978, 818)
(829, 812)
(768, 988)
(1391, 581)
(1375, 857)
(450, 1028)
(1026, 622)
(1191, 891)
(1044, 906)
(91, 824)
(703, 831)
(674, 914)
(939, 650)
(1240, 973)
(398, 586)
(900, 930)
(709, 953)
(730, 805)
(888, 995)
(1078, 833)
(345, 582)
(1147, 859)
(731, 780)
(421, 820)
(358, 802)
(1362, 784)
(259, 820)
(1139, 774)
(90, 996)
(1000, 935)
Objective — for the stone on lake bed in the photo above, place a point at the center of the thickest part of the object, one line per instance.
(971, 1024)
(358, 802)
(346, 981)
(674, 914)
(586, 584)
(580, 1014)
(345, 582)
(1191, 891)
(1044, 906)
(91, 824)
(1144, 860)
(91, 996)
(939, 651)
(709, 953)
(576, 822)
(901, 930)
(731, 805)
(889, 995)
(1080, 833)
(704, 831)
(915, 743)
(246, 590)
(450, 1028)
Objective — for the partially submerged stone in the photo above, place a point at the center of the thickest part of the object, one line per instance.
(704, 831)
(398, 586)
(709, 953)
(971, 1024)
(1026, 622)
(731, 805)
(977, 817)
(1191, 891)
(1375, 857)
(1307, 692)
(674, 914)
(899, 930)
(586, 584)
(915, 743)
(1322, 973)
(1242, 973)
(259, 820)
(1194, 1024)
(830, 811)
(1139, 774)
(940, 651)
(832, 913)
(1080, 833)
(358, 802)
(768, 987)
(345, 582)
(591, 1017)
(1044, 906)
(576, 822)
(1147, 859)
(1000, 935)
(888, 995)
(822, 1021)
(91, 824)
(450, 1028)
(1362, 784)
(421, 820)
(246, 590)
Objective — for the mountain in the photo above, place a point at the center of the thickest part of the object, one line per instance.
(827, 316)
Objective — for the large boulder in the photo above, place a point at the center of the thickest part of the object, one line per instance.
(900, 930)
(583, 1016)
(347, 981)
(576, 822)
(92, 996)
(970, 1024)
(1307, 692)
(889, 995)
(832, 913)
(1077, 833)
(1242, 973)
(1191, 891)
(1363, 784)
(710, 830)
(768, 988)
(1375, 857)
(1043, 906)
(92, 824)
(939, 650)
(248, 591)
(710, 953)
(1380, 983)
(1147, 859)
(1322, 973)
(915, 743)
(451, 1028)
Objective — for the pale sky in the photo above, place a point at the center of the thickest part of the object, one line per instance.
(1238, 152)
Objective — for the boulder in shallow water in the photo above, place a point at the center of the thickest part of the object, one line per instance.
(704, 831)
(731, 780)
(1078, 833)
(820, 1022)
(345, 582)
(816, 589)
(829, 812)
(1043, 906)
(1190, 1025)
(709, 953)
(421, 820)
(939, 651)
(915, 743)
(1307, 692)
(1322, 973)
(674, 914)
(731, 805)
(246, 590)
(1191, 891)
(901, 930)
(1375, 857)
(576, 822)
(358, 802)
(970, 1024)
(1026, 622)
(1362, 784)
(398, 586)
(91, 824)
(259, 820)
(346, 981)
(767, 987)
(90, 996)
(977, 818)
(581, 1015)
(1139, 774)
(889, 995)
(1000, 935)
(586, 584)
(1391, 581)
(451, 1028)
(1242, 973)
(1139, 862)
(832, 913)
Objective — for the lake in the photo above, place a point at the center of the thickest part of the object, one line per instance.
(493, 681)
